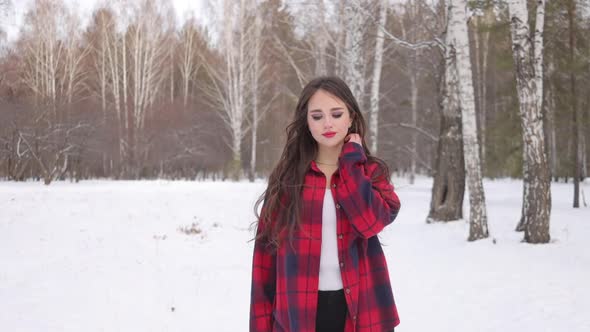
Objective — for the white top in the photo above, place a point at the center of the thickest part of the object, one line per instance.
(330, 278)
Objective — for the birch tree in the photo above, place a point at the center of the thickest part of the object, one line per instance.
(340, 42)
(448, 188)
(322, 42)
(355, 18)
(104, 40)
(577, 120)
(550, 111)
(481, 24)
(376, 77)
(75, 75)
(190, 43)
(316, 26)
(99, 28)
(255, 74)
(130, 57)
(51, 70)
(53, 57)
(411, 34)
(43, 55)
(449, 175)
(147, 39)
(113, 46)
(459, 44)
(354, 54)
(228, 90)
(527, 50)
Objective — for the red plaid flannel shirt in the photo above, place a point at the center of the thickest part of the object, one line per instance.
(285, 283)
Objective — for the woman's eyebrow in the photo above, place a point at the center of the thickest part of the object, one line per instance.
(332, 109)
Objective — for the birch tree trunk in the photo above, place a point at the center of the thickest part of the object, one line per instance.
(228, 90)
(414, 123)
(241, 82)
(413, 75)
(528, 61)
(354, 55)
(376, 79)
(74, 55)
(321, 38)
(237, 92)
(188, 65)
(172, 64)
(53, 57)
(147, 48)
(255, 74)
(127, 133)
(481, 63)
(43, 56)
(457, 27)
(341, 40)
(101, 64)
(549, 106)
(449, 176)
(112, 44)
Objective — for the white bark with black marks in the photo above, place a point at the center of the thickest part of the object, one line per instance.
(528, 59)
(448, 187)
(376, 79)
(354, 56)
(457, 29)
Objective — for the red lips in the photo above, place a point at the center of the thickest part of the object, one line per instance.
(329, 134)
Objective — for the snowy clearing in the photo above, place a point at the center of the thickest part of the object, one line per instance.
(111, 256)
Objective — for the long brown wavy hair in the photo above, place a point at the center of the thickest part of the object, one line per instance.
(281, 201)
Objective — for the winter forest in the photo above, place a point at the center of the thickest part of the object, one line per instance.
(135, 138)
(458, 90)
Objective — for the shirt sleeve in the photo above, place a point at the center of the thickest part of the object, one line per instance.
(369, 204)
(263, 286)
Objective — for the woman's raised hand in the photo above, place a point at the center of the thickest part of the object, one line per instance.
(354, 137)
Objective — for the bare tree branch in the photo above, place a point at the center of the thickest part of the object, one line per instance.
(409, 126)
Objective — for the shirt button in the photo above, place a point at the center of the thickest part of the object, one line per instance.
(348, 291)
(354, 317)
(341, 264)
(340, 236)
(337, 205)
(333, 185)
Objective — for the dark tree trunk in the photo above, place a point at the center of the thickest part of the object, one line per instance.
(446, 203)
(576, 118)
(449, 176)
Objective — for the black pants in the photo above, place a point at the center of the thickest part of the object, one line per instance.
(332, 311)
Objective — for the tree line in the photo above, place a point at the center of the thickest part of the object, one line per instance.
(454, 89)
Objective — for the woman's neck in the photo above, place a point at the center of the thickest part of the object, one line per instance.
(328, 155)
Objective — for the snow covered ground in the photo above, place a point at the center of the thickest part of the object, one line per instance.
(109, 256)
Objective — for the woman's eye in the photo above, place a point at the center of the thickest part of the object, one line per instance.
(337, 115)
(316, 117)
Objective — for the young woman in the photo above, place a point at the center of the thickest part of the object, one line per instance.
(318, 264)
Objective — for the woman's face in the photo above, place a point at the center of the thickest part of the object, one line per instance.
(328, 119)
